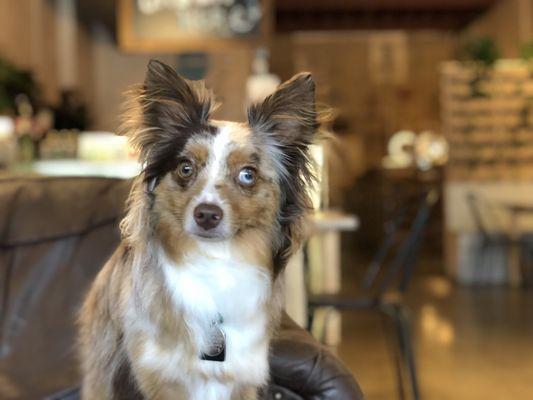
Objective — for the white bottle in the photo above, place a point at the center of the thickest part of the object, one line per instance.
(261, 83)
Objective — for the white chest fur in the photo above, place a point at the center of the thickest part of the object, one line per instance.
(207, 285)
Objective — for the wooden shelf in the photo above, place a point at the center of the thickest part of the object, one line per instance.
(487, 116)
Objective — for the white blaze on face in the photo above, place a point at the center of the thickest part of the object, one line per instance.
(216, 166)
(229, 136)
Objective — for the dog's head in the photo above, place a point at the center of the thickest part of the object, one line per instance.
(207, 180)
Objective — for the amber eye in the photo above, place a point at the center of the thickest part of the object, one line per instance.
(185, 169)
(247, 176)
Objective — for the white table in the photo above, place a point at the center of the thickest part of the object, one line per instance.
(74, 167)
(324, 255)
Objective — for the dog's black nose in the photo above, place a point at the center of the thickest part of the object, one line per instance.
(208, 216)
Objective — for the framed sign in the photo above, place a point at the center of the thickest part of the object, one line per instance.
(192, 25)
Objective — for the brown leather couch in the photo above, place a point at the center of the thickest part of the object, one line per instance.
(55, 234)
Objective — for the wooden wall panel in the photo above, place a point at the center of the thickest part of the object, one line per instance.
(27, 38)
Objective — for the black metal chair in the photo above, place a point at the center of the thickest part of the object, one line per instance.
(390, 272)
(494, 243)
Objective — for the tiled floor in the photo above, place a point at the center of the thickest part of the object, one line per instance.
(471, 343)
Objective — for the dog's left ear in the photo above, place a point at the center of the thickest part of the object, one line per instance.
(286, 122)
(289, 114)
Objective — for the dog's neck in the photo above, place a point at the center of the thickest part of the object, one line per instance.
(213, 278)
(214, 284)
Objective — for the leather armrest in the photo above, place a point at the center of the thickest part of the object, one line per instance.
(303, 366)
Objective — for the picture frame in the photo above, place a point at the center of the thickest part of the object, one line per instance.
(144, 33)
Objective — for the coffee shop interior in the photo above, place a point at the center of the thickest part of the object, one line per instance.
(417, 275)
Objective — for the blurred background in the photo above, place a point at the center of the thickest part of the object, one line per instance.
(420, 268)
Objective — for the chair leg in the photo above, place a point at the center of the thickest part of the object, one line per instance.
(405, 360)
(480, 267)
(310, 318)
(407, 348)
(322, 319)
(317, 320)
(392, 342)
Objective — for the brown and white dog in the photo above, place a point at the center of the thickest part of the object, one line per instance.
(187, 305)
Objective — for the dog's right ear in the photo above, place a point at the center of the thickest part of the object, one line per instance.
(161, 114)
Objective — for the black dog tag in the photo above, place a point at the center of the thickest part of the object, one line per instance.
(217, 347)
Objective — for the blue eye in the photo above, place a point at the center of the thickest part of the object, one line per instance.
(247, 176)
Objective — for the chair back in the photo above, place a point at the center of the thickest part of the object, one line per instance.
(485, 216)
(396, 257)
